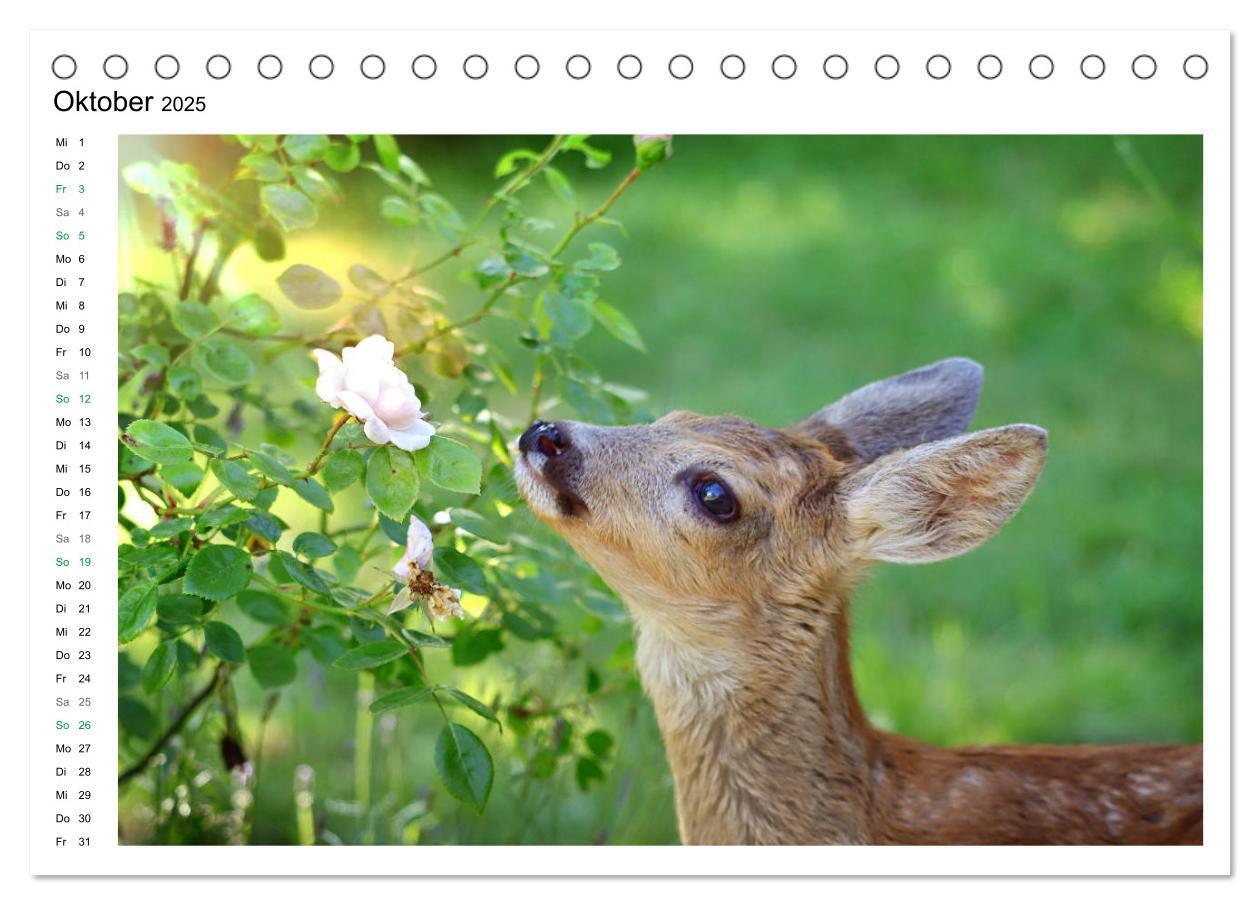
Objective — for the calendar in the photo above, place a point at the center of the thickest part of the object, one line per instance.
(426, 456)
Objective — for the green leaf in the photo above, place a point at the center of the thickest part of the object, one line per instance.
(208, 440)
(585, 402)
(367, 280)
(136, 607)
(273, 665)
(271, 467)
(143, 177)
(194, 320)
(471, 647)
(183, 476)
(217, 572)
(403, 697)
(263, 607)
(184, 382)
(346, 563)
(135, 718)
(460, 571)
(321, 189)
(442, 217)
(570, 318)
(223, 641)
(171, 527)
(235, 478)
(225, 361)
(509, 162)
(221, 517)
(387, 151)
(525, 262)
(493, 530)
(268, 243)
(423, 639)
(309, 287)
(341, 469)
(342, 157)
(253, 314)
(483, 710)
(588, 772)
(159, 668)
(450, 465)
(264, 524)
(313, 493)
(157, 442)
(600, 743)
(324, 642)
(400, 211)
(288, 206)
(304, 574)
(603, 257)
(263, 166)
(559, 184)
(412, 170)
(153, 354)
(464, 765)
(392, 481)
(529, 625)
(394, 180)
(618, 325)
(180, 609)
(267, 497)
(374, 653)
(306, 148)
(313, 545)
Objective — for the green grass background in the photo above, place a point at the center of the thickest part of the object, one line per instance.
(769, 276)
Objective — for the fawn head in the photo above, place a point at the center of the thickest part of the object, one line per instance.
(716, 526)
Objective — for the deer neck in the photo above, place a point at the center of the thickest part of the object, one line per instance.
(768, 745)
(765, 737)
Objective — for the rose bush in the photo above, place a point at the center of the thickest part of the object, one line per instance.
(240, 564)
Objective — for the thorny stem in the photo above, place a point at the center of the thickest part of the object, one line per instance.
(584, 220)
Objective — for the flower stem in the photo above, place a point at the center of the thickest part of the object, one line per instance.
(341, 421)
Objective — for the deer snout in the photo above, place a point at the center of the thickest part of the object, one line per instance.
(544, 437)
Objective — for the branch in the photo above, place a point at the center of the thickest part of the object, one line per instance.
(198, 699)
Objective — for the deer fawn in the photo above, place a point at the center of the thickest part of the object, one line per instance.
(736, 549)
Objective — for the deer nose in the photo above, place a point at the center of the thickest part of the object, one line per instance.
(544, 437)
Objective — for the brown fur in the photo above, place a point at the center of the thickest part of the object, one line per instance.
(743, 631)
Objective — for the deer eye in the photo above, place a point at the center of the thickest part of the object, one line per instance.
(714, 497)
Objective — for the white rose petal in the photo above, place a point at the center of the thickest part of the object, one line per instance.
(419, 550)
(365, 382)
(415, 437)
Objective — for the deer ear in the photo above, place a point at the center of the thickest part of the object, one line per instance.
(941, 499)
(903, 411)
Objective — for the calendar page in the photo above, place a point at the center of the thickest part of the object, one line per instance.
(435, 473)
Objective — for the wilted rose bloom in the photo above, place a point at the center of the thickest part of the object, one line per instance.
(419, 585)
(444, 603)
(649, 150)
(365, 382)
(419, 551)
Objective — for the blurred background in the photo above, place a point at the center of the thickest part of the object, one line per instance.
(768, 276)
